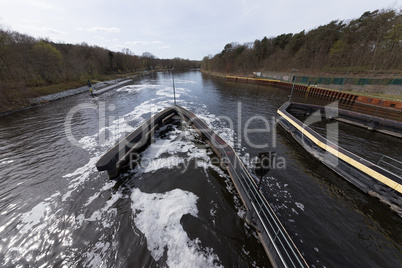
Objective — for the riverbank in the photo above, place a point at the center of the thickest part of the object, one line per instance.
(82, 205)
(17, 100)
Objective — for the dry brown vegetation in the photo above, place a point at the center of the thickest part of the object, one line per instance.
(32, 67)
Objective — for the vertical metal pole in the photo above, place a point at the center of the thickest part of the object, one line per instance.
(380, 160)
(259, 184)
(291, 93)
(345, 78)
(174, 90)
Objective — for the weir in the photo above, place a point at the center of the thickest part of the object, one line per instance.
(277, 243)
(113, 86)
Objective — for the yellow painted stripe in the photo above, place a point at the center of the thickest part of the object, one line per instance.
(387, 181)
(256, 79)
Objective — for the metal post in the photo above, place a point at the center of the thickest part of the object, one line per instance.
(263, 165)
(174, 90)
(259, 184)
(291, 93)
(380, 160)
(345, 78)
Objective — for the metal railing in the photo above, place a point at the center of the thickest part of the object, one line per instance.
(393, 168)
(284, 246)
(280, 247)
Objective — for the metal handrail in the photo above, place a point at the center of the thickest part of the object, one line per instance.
(253, 194)
(272, 232)
(389, 164)
(266, 212)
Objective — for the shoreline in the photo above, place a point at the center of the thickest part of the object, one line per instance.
(367, 93)
(33, 102)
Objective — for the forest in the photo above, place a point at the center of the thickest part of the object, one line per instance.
(30, 67)
(26, 61)
(371, 43)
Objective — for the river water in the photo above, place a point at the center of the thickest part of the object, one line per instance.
(177, 208)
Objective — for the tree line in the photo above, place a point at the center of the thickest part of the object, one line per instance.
(26, 61)
(372, 42)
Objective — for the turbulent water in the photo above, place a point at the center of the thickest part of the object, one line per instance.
(177, 207)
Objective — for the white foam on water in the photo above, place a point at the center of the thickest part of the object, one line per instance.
(47, 215)
(183, 81)
(300, 205)
(213, 211)
(215, 123)
(158, 217)
(107, 186)
(80, 176)
(39, 228)
(118, 128)
(177, 149)
(168, 92)
(107, 212)
(94, 258)
(33, 217)
(136, 88)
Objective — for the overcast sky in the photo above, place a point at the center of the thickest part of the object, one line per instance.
(189, 29)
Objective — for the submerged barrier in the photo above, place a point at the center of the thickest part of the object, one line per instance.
(312, 90)
(113, 86)
(277, 243)
(368, 177)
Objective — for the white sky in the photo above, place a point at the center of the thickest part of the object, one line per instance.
(189, 29)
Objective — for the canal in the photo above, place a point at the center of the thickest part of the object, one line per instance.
(178, 208)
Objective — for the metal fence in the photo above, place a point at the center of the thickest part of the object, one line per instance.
(390, 164)
(348, 81)
(273, 228)
(272, 231)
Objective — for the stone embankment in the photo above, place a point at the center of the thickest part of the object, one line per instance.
(72, 92)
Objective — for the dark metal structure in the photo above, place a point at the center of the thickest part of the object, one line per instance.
(368, 177)
(277, 243)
